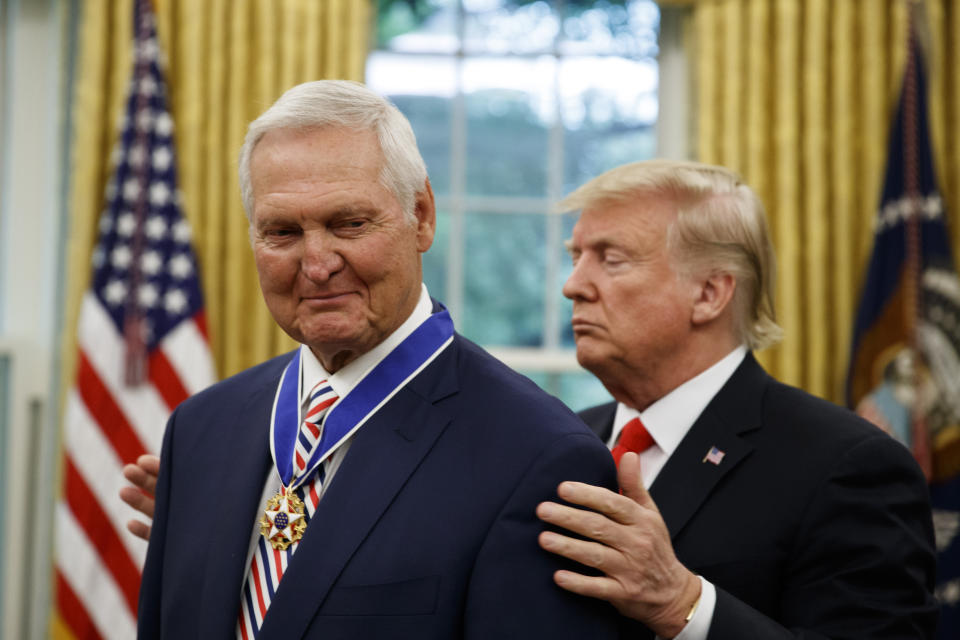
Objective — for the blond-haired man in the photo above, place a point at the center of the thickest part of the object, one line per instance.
(770, 513)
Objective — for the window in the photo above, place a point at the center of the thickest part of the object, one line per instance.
(514, 104)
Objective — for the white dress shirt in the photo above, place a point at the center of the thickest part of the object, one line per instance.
(668, 420)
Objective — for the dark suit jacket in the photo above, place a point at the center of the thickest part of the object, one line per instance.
(814, 525)
(427, 531)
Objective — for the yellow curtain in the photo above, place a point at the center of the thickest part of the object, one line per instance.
(799, 96)
(227, 61)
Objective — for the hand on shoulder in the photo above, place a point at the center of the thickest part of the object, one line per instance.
(628, 541)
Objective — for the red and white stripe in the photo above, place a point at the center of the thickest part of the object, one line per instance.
(142, 349)
(268, 564)
(322, 397)
(108, 424)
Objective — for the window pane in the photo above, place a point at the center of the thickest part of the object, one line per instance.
(522, 99)
(510, 106)
(499, 26)
(580, 390)
(544, 380)
(628, 29)
(505, 263)
(435, 260)
(565, 310)
(417, 25)
(426, 102)
(608, 108)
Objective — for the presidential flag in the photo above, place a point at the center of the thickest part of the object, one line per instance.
(142, 349)
(905, 362)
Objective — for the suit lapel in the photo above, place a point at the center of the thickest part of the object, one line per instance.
(689, 477)
(245, 456)
(383, 455)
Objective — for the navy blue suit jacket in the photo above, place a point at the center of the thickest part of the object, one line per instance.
(427, 531)
(815, 524)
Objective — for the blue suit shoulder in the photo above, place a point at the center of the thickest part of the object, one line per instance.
(509, 397)
(252, 380)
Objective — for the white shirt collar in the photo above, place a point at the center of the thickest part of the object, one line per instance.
(344, 380)
(669, 419)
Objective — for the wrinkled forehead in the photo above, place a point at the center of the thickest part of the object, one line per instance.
(320, 154)
(623, 221)
(321, 145)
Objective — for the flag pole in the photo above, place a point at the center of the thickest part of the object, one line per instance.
(914, 290)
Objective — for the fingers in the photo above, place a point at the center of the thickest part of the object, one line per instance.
(627, 540)
(631, 481)
(587, 553)
(136, 499)
(149, 463)
(620, 508)
(143, 474)
(142, 503)
(134, 474)
(600, 587)
(139, 529)
(143, 477)
(613, 505)
(589, 524)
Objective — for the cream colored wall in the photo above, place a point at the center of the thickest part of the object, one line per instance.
(32, 121)
(674, 131)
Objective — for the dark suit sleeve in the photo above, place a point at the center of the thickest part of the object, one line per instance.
(511, 592)
(863, 563)
(149, 605)
(600, 419)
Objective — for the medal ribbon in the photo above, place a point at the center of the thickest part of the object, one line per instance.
(350, 412)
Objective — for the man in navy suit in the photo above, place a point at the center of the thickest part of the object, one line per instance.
(381, 480)
(770, 513)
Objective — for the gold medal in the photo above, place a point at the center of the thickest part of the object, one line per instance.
(283, 521)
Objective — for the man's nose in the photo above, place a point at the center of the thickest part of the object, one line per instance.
(579, 285)
(321, 258)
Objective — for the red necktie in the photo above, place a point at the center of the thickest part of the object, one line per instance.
(633, 437)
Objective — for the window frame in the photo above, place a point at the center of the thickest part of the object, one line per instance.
(551, 358)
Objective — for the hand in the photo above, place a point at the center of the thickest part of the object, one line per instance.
(628, 541)
(143, 475)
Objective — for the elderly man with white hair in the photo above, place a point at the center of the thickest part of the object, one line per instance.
(380, 481)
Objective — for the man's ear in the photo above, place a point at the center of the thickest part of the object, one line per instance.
(714, 295)
(426, 214)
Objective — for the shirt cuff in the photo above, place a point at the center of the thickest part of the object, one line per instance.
(699, 625)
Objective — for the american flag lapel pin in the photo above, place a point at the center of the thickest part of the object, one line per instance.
(714, 455)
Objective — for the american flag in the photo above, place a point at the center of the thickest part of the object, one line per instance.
(142, 349)
(714, 455)
(904, 372)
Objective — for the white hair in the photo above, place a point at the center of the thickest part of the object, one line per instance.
(341, 103)
(720, 224)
